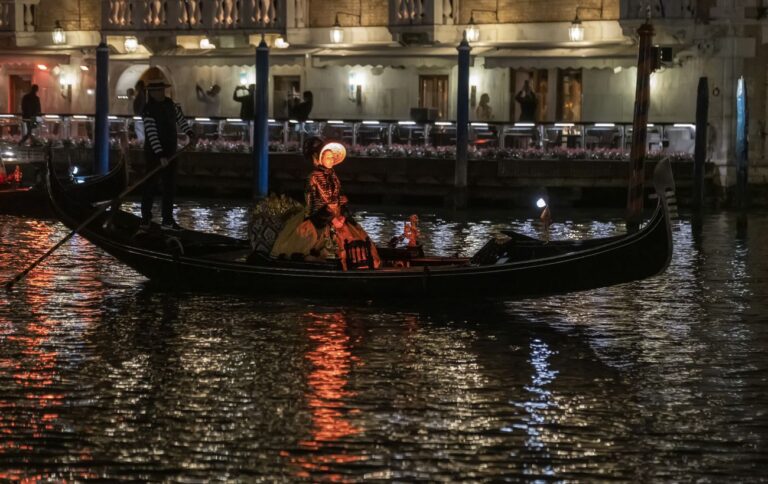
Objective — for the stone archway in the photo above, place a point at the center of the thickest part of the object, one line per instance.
(141, 72)
(155, 73)
(129, 77)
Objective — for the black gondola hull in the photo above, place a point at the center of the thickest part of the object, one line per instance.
(202, 261)
(33, 201)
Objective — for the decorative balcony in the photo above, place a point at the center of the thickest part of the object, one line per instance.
(416, 21)
(18, 15)
(666, 9)
(194, 16)
(7, 16)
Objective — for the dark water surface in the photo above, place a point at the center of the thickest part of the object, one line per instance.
(103, 376)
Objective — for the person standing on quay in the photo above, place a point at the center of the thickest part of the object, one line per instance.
(301, 111)
(161, 118)
(483, 112)
(30, 110)
(245, 96)
(528, 102)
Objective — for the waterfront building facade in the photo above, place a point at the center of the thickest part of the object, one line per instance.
(397, 59)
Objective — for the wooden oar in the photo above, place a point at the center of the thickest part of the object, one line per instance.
(9, 284)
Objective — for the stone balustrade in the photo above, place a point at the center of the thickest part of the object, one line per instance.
(193, 15)
(423, 12)
(666, 9)
(19, 19)
(7, 15)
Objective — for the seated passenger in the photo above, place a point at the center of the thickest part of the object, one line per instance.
(319, 231)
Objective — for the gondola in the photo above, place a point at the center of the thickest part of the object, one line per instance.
(32, 200)
(516, 267)
(24, 201)
(96, 188)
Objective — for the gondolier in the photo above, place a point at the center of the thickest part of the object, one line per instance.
(161, 119)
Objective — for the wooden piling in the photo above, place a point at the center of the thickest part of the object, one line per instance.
(645, 65)
(700, 153)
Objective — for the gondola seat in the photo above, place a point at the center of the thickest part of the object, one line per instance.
(358, 254)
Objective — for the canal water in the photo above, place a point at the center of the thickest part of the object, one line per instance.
(103, 376)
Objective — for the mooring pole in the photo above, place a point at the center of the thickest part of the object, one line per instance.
(742, 145)
(700, 153)
(260, 130)
(101, 134)
(462, 125)
(645, 65)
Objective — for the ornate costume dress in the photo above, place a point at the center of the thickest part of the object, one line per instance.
(318, 230)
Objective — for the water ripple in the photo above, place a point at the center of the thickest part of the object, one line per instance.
(103, 377)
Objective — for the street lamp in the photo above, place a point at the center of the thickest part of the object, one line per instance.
(337, 33)
(131, 43)
(281, 43)
(576, 30)
(59, 36)
(473, 31)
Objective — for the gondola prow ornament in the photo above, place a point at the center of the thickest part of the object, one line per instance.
(411, 231)
(546, 217)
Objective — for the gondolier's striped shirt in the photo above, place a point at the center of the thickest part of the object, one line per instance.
(160, 123)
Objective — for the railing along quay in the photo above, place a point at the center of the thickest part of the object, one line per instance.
(368, 137)
(392, 161)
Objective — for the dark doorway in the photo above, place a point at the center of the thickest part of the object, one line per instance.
(433, 93)
(286, 93)
(20, 85)
(569, 95)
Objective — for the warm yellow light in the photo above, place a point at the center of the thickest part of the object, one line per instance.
(576, 30)
(206, 44)
(280, 43)
(59, 36)
(473, 32)
(42, 67)
(337, 34)
(131, 43)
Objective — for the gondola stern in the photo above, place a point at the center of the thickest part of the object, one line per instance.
(664, 184)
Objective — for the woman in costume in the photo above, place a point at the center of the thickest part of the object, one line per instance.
(320, 231)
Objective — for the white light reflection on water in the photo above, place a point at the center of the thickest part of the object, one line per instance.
(538, 406)
(378, 228)
(655, 380)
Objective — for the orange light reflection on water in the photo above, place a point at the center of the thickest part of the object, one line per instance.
(35, 368)
(327, 397)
